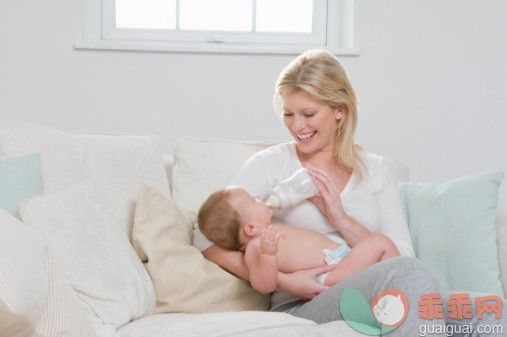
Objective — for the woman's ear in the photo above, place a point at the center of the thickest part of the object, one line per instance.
(340, 111)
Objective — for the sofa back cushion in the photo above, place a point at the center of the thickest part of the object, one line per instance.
(201, 166)
(116, 164)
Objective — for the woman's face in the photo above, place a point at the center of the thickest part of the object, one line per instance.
(310, 121)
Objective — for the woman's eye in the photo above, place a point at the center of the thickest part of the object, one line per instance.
(287, 114)
(309, 115)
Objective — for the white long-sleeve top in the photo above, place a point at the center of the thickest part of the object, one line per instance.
(374, 202)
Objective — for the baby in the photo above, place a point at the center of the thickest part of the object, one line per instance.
(231, 218)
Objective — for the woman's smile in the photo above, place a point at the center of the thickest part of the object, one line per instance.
(305, 137)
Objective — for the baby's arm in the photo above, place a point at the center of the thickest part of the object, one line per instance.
(260, 257)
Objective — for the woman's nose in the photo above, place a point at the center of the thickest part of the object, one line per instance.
(299, 123)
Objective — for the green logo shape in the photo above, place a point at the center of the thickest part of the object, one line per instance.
(356, 311)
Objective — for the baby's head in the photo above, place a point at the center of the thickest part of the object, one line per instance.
(231, 217)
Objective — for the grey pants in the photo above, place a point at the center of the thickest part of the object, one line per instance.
(406, 274)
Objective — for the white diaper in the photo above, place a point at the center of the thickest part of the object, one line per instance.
(333, 258)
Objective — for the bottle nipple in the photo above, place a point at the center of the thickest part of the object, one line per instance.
(273, 201)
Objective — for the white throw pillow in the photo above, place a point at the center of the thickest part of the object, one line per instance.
(34, 297)
(95, 257)
(115, 164)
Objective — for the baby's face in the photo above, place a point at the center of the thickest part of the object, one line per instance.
(251, 209)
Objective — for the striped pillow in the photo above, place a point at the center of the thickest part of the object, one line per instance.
(11, 323)
(63, 315)
(32, 294)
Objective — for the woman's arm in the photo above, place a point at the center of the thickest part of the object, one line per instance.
(303, 283)
(351, 230)
(329, 203)
(230, 260)
(392, 222)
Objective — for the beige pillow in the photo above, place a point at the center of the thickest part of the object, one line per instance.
(184, 280)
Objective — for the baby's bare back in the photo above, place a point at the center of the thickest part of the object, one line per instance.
(301, 248)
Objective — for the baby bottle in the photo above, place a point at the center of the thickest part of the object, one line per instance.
(292, 190)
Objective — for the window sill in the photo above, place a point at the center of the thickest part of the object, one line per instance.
(210, 48)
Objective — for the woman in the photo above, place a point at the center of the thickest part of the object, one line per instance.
(358, 195)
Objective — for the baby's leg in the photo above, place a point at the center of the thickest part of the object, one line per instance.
(372, 249)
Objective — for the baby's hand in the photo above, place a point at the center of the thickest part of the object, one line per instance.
(269, 240)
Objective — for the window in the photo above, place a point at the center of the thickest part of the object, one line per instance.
(249, 26)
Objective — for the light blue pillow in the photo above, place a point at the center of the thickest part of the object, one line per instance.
(453, 230)
(20, 179)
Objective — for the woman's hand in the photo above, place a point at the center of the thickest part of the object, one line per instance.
(330, 204)
(231, 260)
(329, 201)
(303, 283)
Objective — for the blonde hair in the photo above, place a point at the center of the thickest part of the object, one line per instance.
(219, 221)
(321, 74)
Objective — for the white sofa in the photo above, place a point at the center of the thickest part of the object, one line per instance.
(48, 289)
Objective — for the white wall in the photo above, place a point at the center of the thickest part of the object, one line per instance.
(432, 81)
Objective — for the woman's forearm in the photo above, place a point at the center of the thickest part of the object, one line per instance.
(303, 283)
(282, 283)
(232, 261)
(351, 230)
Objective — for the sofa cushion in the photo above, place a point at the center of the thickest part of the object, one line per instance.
(453, 230)
(95, 257)
(115, 164)
(20, 179)
(183, 279)
(33, 296)
(251, 324)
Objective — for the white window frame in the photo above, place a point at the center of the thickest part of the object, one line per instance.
(333, 34)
